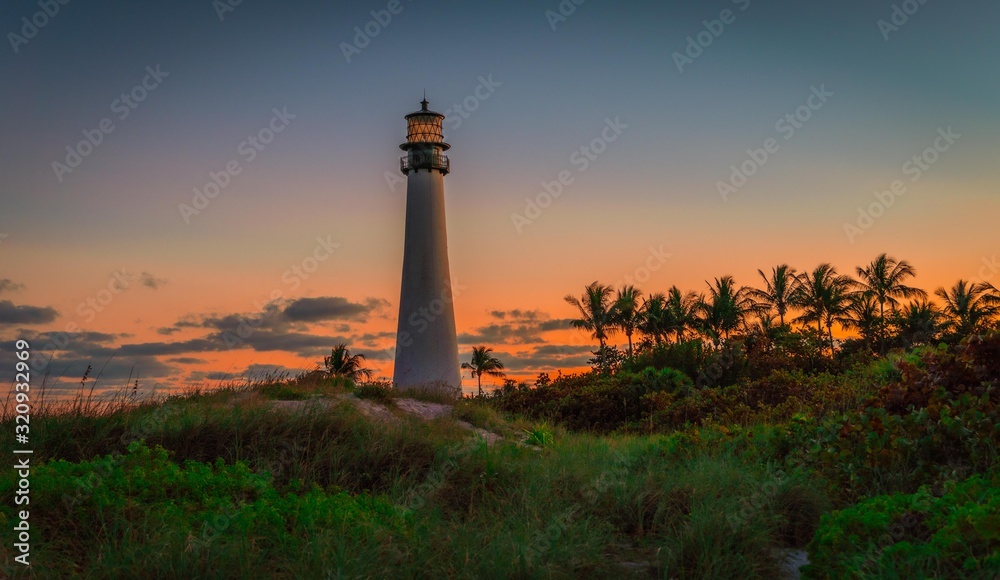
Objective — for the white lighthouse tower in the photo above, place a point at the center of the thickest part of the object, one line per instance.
(426, 344)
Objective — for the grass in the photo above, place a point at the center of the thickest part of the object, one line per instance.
(327, 492)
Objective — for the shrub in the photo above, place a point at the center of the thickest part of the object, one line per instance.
(539, 436)
(141, 514)
(917, 535)
(376, 391)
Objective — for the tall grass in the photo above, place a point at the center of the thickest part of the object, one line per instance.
(328, 492)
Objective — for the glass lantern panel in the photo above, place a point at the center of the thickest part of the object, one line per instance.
(424, 129)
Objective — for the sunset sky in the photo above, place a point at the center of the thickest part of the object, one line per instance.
(102, 245)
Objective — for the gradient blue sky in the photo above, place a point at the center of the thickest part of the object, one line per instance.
(325, 174)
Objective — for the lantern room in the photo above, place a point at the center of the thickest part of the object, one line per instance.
(424, 142)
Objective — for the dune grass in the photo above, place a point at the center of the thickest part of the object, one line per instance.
(229, 484)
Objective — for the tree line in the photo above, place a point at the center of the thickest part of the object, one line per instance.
(870, 304)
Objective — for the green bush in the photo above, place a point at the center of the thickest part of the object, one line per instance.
(917, 535)
(594, 402)
(141, 513)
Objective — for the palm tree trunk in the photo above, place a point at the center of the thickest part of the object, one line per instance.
(479, 383)
(881, 327)
(629, 335)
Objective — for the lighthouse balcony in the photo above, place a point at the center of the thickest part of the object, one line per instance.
(417, 160)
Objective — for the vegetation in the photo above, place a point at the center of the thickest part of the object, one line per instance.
(226, 484)
(342, 364)
(734, 428)
(483, 363)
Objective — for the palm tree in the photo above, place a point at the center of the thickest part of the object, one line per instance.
(778, 289)
(341, 363)
(595, 311)
(865, 318)
(483, 363)
(917, 322)
(824, 296)
(839, 306)
(763, 331)
(654, 317)
(725, 308)
(883, 280)
(626, 314)
(969, 306)
(682, 311)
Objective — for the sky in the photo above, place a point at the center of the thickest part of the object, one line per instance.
(694, 140)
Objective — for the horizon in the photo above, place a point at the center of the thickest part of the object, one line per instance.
(258, 174)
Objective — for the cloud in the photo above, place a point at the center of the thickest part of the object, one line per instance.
(82, 344)
(563, 350)
(331, 308)
(8, 285)
(517, 314)
(172, 348)
(501, 334)
(555, 324)
(13, 314)
(68, 368)
(549, 356)
(284, 316)
(513, 327)
(150, 281)
(187, 360)
(261, 340)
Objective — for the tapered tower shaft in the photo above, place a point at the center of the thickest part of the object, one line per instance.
(426, 343)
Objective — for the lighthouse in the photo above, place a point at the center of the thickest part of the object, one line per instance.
(426, 344)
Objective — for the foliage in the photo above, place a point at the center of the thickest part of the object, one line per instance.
(969, 307)
(483, 363)
(539, 436)
(282, 392)
(920, 535)
(594, 402)
(607, 360)
(596, 311)
(378, 391)
(341, 363)
(213, 500)
(126, 515)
